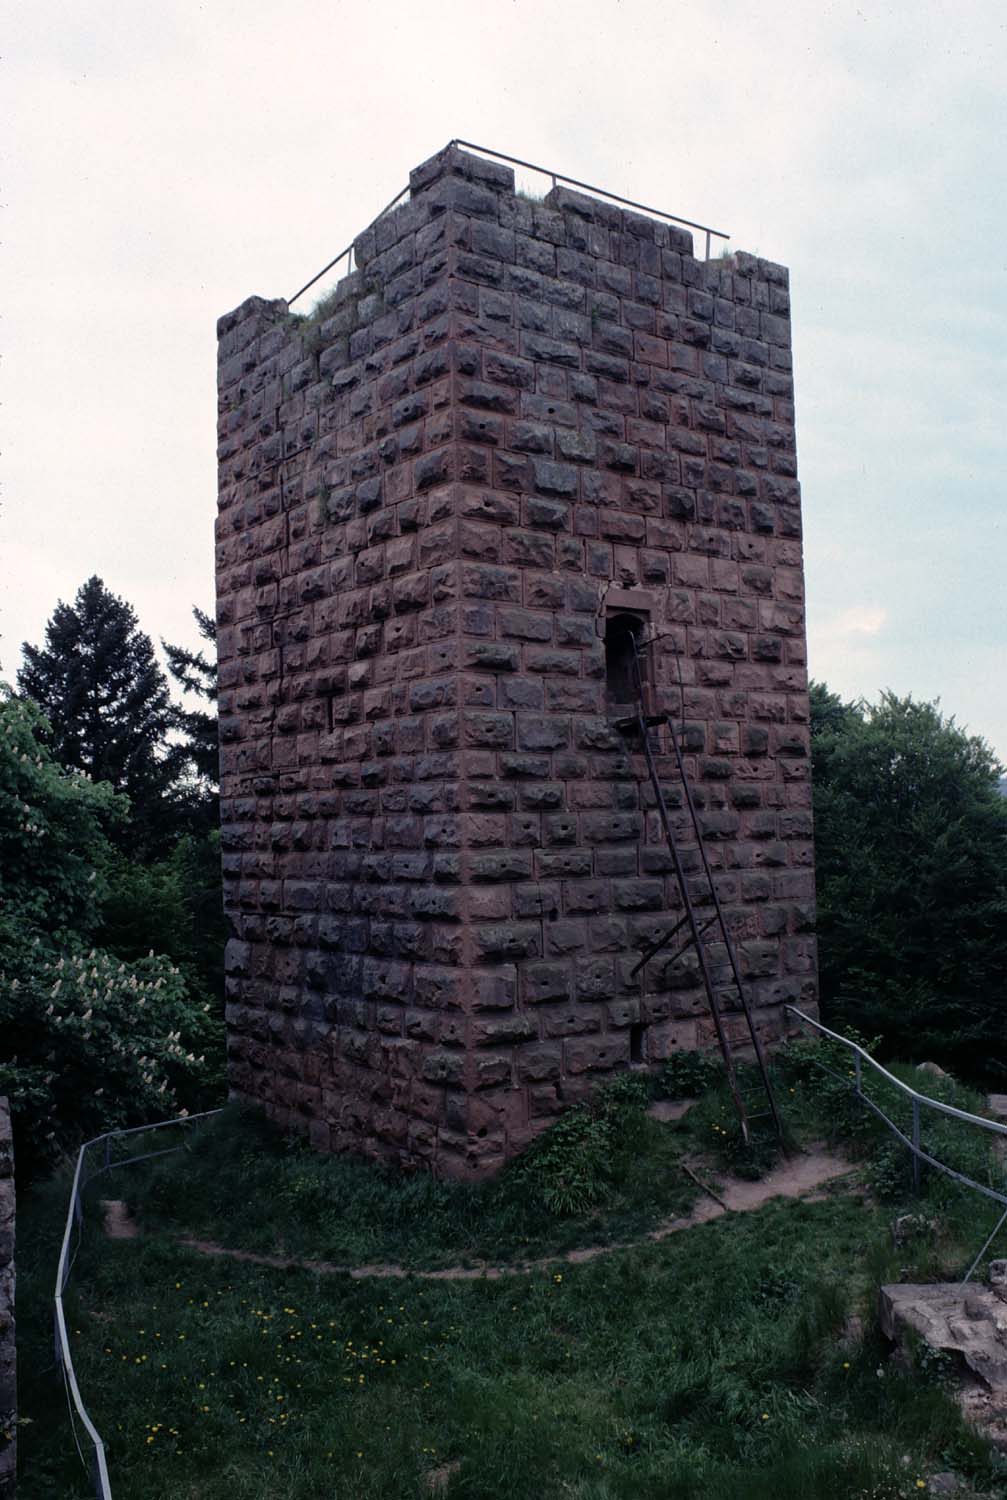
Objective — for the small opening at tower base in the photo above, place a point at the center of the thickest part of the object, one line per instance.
(637, 1033)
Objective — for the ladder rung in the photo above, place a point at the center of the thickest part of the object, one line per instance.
(652, 721)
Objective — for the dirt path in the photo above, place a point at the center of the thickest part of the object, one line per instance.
(798, 1177)
(119, 1223)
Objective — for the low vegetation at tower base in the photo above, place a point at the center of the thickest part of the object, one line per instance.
(737, 1358)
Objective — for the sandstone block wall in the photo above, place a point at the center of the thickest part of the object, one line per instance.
(8, 1366)
(513, 421)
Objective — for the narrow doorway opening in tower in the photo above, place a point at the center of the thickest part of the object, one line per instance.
(625, 661)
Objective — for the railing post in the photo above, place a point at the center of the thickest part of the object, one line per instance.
(916, 1145)
(708, 244)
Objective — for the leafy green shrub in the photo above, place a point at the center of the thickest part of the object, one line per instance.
(889, 1171)
(934, 1366)
(826, 1071)
(686, 1075)
(623, 1100)
(571, 1166)
(750, 1159)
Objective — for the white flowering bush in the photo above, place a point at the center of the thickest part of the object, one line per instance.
(92, 1043)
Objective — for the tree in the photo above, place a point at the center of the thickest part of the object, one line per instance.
(186, 889)
(172, 906)
(194, 673)
(55, 855)
(829, 714)
(106, 700)
(911, 859)
(89, 1039)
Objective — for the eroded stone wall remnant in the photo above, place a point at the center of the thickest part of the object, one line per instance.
(514, 429)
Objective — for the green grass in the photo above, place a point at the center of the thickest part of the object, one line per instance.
(354, 1212)
(957, 1213)
(711, 1364)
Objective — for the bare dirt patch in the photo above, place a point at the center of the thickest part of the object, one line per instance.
(668, 1111)
(119, 1223)
(437, 1480)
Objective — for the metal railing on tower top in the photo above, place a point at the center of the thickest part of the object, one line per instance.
(528, 166)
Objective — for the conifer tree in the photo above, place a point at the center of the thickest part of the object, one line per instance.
(98, 683)
(196, 674)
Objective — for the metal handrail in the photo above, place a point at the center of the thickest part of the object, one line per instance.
(75, 1214)
(529, 166)
(938, 1105)
(349, 249)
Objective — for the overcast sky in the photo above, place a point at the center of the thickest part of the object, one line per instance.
(169, 159)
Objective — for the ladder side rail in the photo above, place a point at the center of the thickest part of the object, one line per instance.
(729, 945)
(690, 912)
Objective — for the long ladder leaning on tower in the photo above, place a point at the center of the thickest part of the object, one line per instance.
(756, 1105)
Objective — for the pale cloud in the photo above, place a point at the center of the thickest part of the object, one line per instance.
(860, 620)
(171, 159)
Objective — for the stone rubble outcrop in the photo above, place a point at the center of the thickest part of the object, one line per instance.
(967, 1321)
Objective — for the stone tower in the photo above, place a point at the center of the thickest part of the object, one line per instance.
(517, 435)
